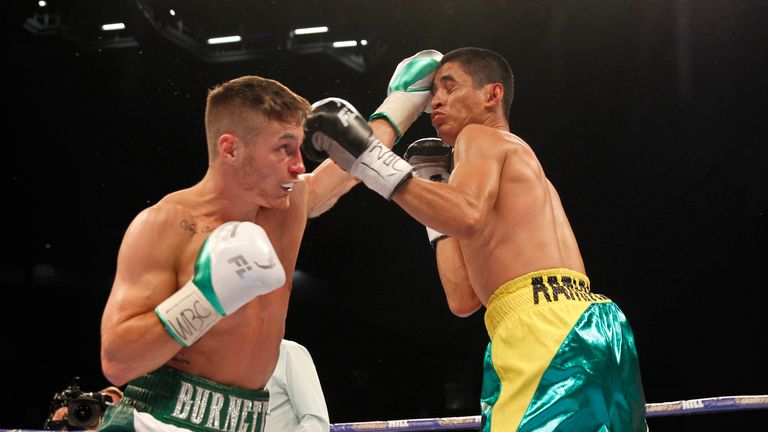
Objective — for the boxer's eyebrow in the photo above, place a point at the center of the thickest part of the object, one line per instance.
(447, 78)
(443, 79)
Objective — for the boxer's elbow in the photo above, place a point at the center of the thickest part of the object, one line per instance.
(116, 368)
(114, 372)
(464, 306)
(469, 221)
(464, 230)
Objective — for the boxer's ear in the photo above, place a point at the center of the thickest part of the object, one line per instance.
(227, 145)
(494, 94)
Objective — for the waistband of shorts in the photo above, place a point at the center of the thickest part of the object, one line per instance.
(186, 400)
(536, 288)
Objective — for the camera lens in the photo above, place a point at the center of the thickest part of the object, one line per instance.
(83, 413)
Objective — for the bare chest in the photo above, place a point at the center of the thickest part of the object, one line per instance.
(284, 236)
(242, 348)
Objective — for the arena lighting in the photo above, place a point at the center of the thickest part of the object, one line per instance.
(310, 30)
(42, 3)
(349, 43)
(113, 26)
(168, 24)
(224, 40)
(344, 44)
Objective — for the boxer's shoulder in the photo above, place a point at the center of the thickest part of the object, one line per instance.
(168, 223)
(168, 214)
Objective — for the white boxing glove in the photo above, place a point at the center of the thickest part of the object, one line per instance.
(431, 159)
(236, 264)
(410, 91)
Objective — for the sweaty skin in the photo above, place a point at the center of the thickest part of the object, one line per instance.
(509, 239)
(263, 182)
(502, 216)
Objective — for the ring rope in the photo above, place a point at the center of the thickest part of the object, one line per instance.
(660, 409)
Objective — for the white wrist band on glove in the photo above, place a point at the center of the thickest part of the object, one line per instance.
(381, 169)
(400, 109)
(187, 314)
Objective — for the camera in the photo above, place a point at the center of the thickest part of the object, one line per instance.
(83, 409)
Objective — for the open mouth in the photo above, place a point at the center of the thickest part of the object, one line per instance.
(287, 187)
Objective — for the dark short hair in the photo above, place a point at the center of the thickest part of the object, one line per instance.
(485, 67)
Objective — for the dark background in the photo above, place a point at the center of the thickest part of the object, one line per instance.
(649, 117)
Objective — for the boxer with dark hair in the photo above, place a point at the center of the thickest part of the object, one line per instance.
(561, 357)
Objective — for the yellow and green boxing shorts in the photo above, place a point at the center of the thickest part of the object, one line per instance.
(170, 400)
(560, 358)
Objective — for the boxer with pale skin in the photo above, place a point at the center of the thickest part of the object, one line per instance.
(197, 310)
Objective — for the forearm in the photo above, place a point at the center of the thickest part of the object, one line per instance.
(384, 132)
(439, 206)
(461, 297)
(328, 184)
(362, 148)
(134, 347)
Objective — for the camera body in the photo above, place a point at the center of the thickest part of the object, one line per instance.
(83, 409)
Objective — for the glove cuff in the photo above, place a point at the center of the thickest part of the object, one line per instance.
(434, 237)
(187, 314)
(401, 109)
(381, 170)
(385, 116)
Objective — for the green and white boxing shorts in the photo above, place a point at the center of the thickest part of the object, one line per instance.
(170, 400)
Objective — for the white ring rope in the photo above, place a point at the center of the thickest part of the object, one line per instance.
(661, 409)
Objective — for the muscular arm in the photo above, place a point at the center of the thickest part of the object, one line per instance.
(460, 207)
(133, 340)
(327, 183)
(462, 300)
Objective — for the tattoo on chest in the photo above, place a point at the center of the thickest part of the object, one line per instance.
(192, 227)
(188, 226)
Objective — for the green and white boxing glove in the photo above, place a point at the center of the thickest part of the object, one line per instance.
(410, 91)
(236, 264)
